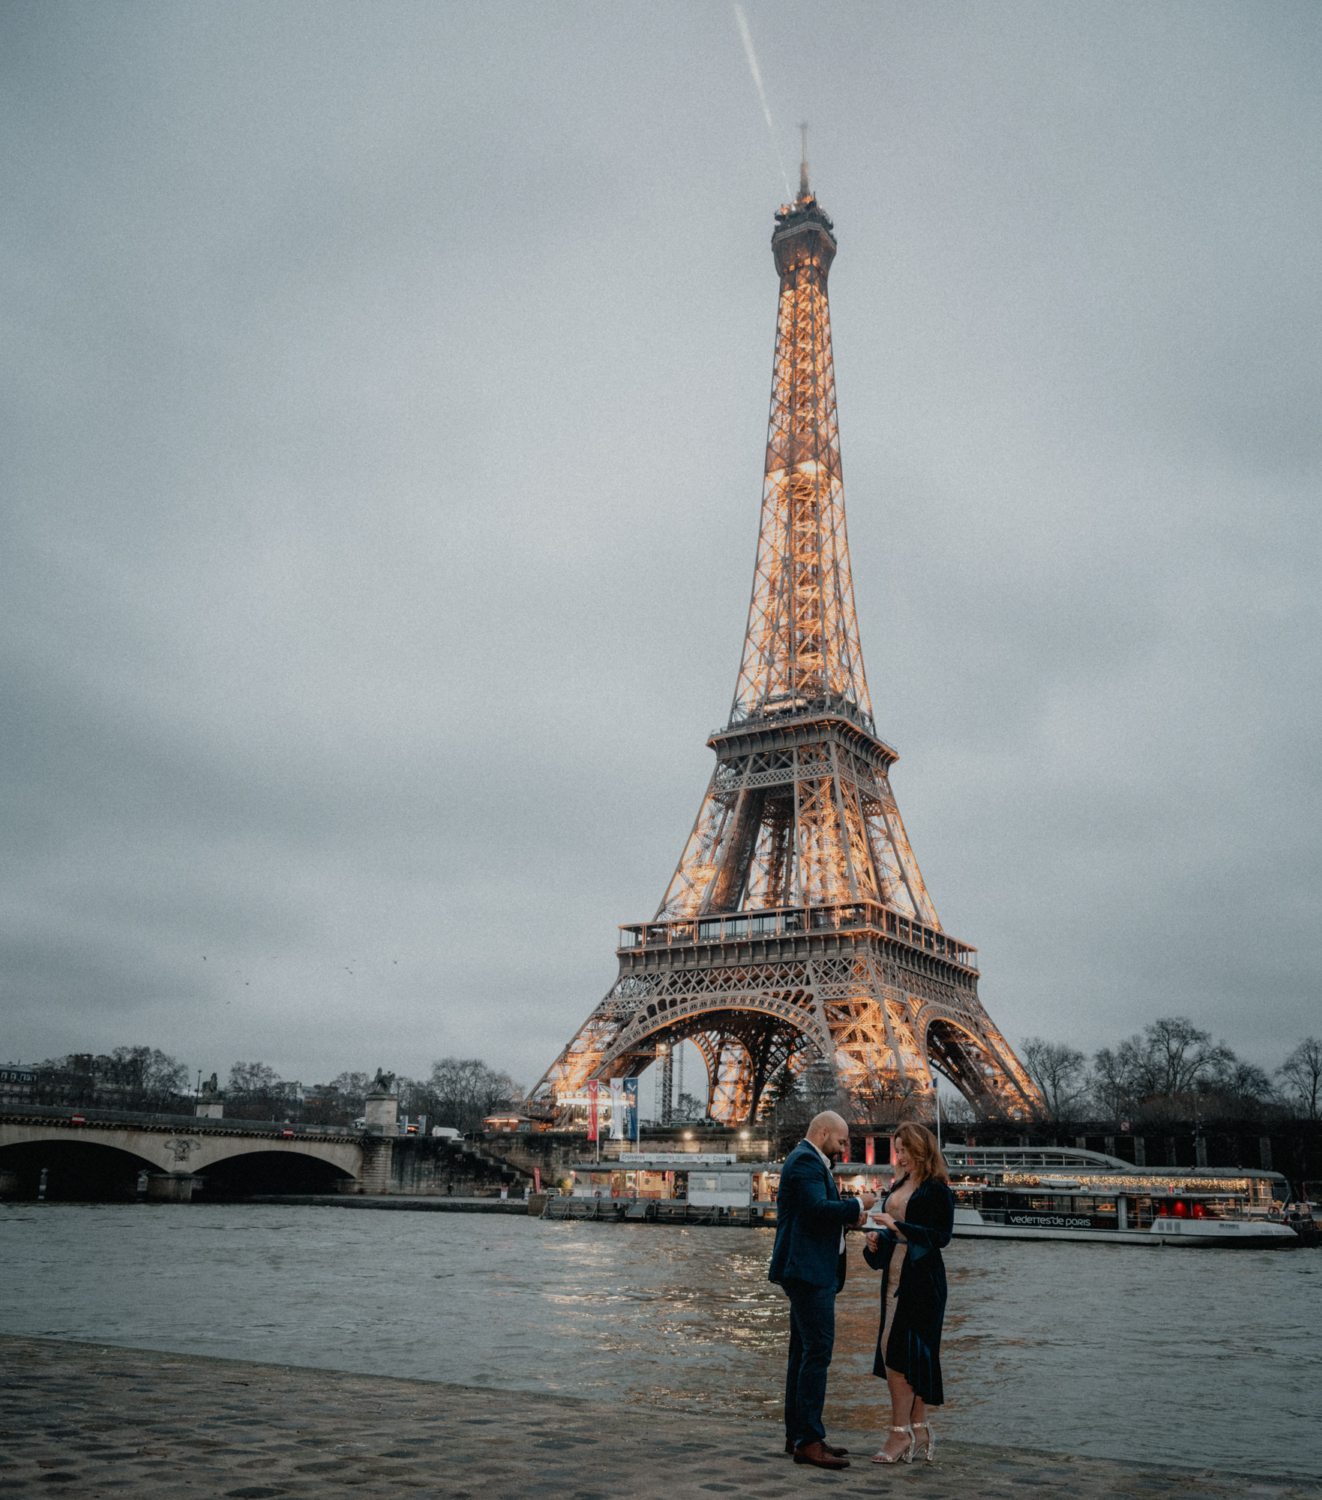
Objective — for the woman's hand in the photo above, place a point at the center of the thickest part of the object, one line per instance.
(884, 1218)
(873, 1241)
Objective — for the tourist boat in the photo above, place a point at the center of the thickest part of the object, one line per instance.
(1063, 1193)
(1001, 1192)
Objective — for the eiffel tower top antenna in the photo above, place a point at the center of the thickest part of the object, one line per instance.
(803, 163)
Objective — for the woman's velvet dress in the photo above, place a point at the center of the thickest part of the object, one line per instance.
(914, 1346)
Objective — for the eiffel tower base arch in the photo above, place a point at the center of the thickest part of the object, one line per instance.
(847, 998)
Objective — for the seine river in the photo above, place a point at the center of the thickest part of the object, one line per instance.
(1203, 1357)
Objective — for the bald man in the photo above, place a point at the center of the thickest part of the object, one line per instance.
(808, 1260)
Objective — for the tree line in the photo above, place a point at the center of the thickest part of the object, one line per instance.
(459, 1091)
(1170, 1069)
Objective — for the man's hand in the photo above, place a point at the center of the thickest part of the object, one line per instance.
(866, 1200)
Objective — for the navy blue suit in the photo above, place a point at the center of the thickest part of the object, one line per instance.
(808, 1262)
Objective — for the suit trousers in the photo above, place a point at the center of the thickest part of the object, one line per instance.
(812, 1342)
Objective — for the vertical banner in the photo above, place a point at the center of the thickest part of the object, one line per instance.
(870, 1150)
(631, 1109)
(536, 1179)
(617, 1110)
(592, 1110)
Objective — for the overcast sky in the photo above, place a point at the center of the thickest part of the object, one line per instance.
(384, 399)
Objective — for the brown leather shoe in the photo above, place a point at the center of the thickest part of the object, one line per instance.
(830, 1448)
(819, 1456)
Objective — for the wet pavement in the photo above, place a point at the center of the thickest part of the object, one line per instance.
(85, 1420)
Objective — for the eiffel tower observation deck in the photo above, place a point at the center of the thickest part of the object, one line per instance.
(797, 929)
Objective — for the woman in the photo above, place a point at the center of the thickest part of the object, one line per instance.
(915, 1218)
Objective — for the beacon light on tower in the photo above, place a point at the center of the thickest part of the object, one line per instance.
(796, 929)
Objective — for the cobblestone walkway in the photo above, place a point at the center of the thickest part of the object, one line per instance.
(85, 1420)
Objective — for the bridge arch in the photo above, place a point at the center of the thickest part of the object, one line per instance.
(245, 1173)
(230, 1163)
(76, 1170)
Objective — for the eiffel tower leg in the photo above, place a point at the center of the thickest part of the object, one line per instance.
(666, 1069)
(766, 1054)
(973, 1055)
(739, 1062)
(721, 1056)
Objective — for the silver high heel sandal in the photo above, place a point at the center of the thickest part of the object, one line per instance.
(900, 1458)
(931, 1440)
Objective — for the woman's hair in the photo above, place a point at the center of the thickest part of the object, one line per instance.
(923, 1151)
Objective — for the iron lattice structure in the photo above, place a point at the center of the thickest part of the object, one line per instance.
(797, 926)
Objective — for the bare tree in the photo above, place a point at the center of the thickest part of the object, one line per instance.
(887, 1099)
(1241, 1088)
(1178, 1057)
(958, 1111)
(1059, 1071)
(1171, 1058)
(464, 1090)
(1112, 1082)
(821, 1089)
(687, 1108)
(254, 1079)
(351, 1087)
(1302, 1072)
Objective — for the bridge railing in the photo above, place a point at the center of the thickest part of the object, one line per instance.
(91, 1114)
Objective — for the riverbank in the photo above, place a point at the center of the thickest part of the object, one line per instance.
(88, 1420)
(407, 1203)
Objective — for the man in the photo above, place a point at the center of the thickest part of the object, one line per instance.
(808, 1261)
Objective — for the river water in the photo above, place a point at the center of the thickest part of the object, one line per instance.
(1203, 1357)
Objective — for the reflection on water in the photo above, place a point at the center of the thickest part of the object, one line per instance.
(1086, 1348)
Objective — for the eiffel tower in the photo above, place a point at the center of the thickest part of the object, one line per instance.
(797, 928)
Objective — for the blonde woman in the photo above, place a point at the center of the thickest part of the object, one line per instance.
(915, 1220)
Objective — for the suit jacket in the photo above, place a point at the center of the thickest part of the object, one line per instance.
(810, 1214)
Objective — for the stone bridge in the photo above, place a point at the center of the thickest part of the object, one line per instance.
(181, 1154)
(59, 1152)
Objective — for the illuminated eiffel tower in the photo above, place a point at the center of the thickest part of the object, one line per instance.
(797, 927)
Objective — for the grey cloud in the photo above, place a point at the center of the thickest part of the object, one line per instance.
(384, 394)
